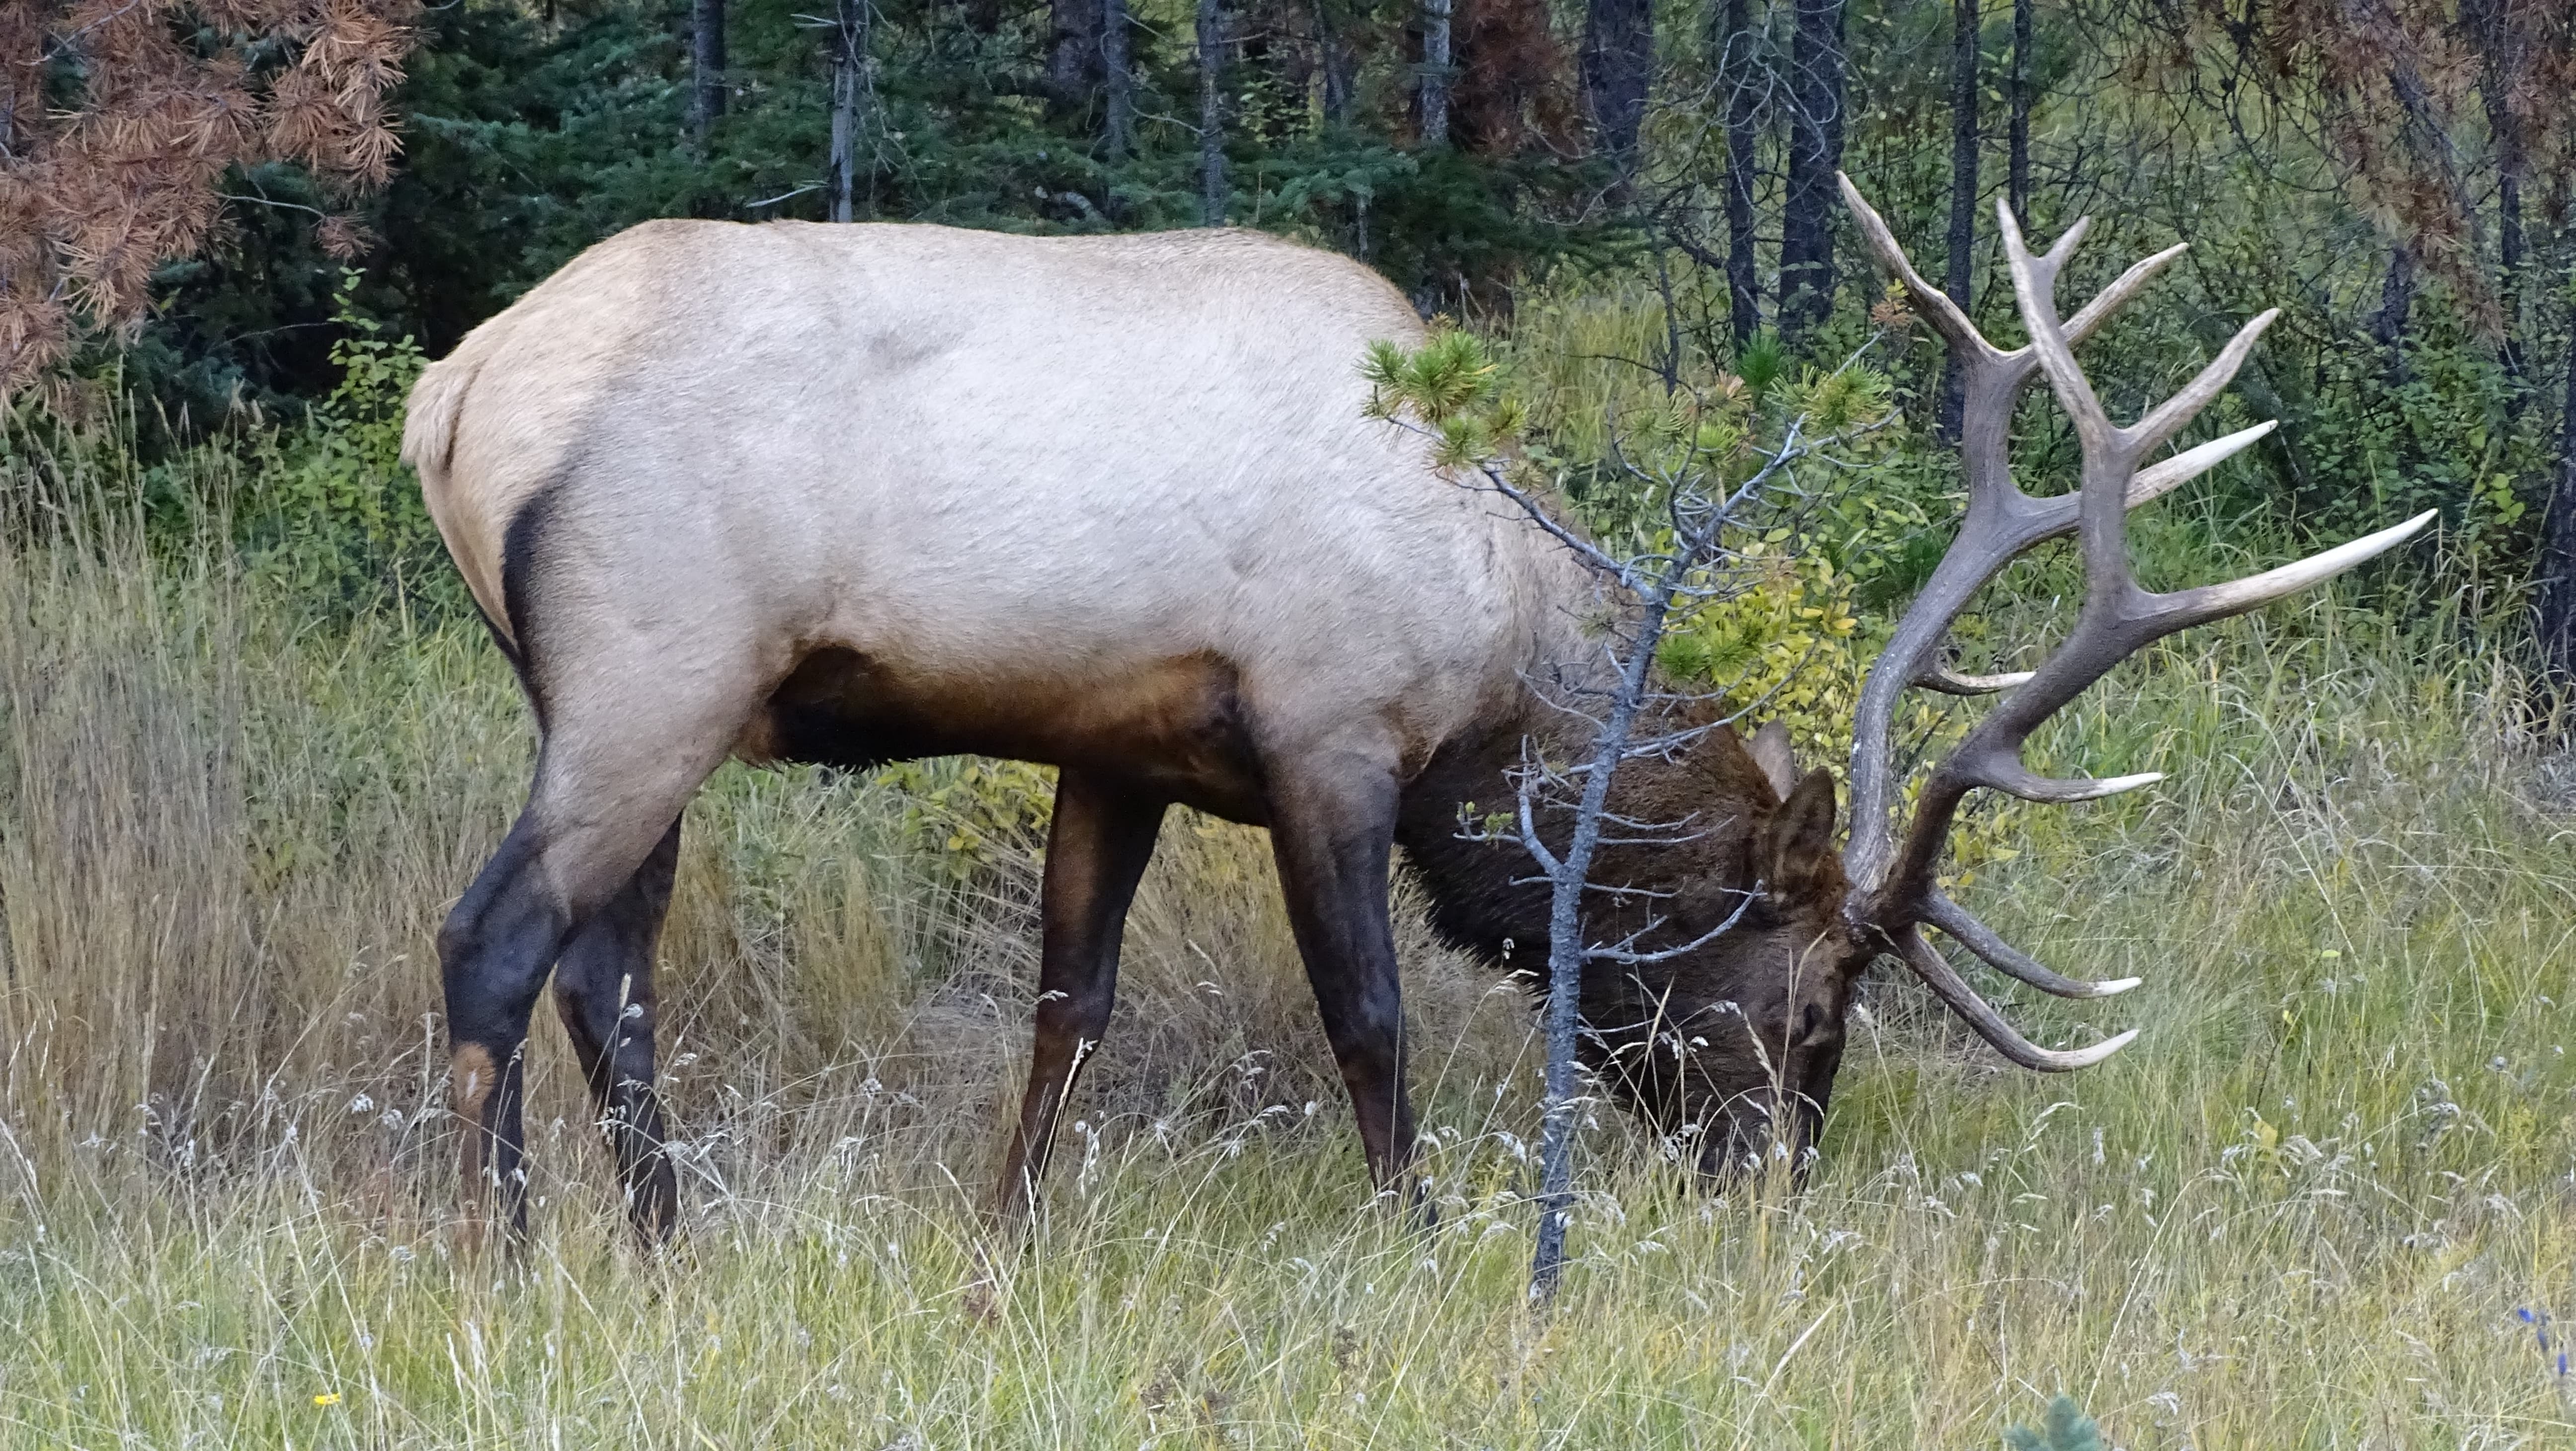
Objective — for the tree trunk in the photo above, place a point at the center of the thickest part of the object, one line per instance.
(1073, 54)
(1211, 36)
(1815, 152)
(2556, 566)
(2499, 71)
(1956, 277)
(2017, 181)
(1618, 67)
(2509, 255)
(1119, 79)
(1339, 61)
(1435, 72)
(849, 105)
(706, 68)
(1735, 74)
(1560, 1108)
(2396, 307)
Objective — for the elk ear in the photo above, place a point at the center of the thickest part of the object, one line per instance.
(1798, 843)
(1770, 751)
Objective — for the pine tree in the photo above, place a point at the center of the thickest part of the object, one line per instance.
(119, 119)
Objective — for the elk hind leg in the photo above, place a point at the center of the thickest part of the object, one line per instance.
(1097, 847)
(603, 991)
(609, 784)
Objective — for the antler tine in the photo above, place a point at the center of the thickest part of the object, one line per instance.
(2183, 609)
(1934, 304)
(2118, 617)
(1953, 990)
(1990, 380)
(2168, 417)
(1984, 941)
(2066, 244)
(2166, 475)
(2035, 289)
(2128, 284)
(1940, 677)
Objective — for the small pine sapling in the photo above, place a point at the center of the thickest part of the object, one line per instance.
(1716, 467)
(2064, 1428)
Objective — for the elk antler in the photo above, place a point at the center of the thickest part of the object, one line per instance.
(1894, 892)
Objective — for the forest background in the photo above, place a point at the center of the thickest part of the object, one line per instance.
(2393, 173)
(252, 743)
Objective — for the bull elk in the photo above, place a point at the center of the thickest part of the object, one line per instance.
(851, 494)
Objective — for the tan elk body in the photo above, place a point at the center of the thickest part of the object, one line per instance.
(860, 493)
(1032, 478)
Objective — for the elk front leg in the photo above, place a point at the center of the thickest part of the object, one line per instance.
(1332, 830)
(1102, 836)
(604, 994)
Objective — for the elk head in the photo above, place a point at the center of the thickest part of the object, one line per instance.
(1818, 921)
(1718, 1008)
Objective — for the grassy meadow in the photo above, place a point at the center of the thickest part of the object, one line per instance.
(2327, 1200)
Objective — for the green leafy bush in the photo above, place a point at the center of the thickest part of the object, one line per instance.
(961, 810)
(330, 512)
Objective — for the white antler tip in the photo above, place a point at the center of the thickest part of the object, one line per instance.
(2164, 476)
(2087, 1057)
(2063, 790)
(2113, 987)
(1950, 682)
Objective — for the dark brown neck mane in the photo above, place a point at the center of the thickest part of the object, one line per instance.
(1487, 896)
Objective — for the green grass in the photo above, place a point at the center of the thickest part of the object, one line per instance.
(2304, 1210)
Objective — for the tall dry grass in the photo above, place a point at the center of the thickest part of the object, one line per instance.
(2312, 1207)
(230, 836)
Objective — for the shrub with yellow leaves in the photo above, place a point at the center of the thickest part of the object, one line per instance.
(966, 807)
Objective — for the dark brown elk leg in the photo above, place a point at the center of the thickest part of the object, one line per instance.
(494, 952)
(604, 994)
(610, 781)
(1332, 828)
(1103, 835)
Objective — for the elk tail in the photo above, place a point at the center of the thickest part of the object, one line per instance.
(429, 422)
